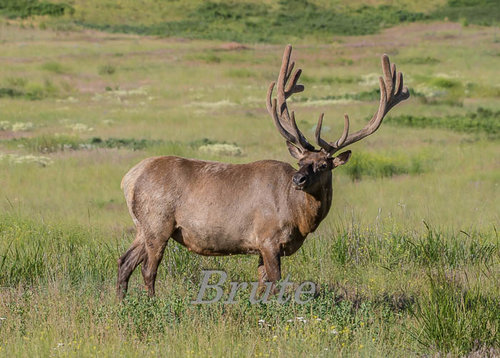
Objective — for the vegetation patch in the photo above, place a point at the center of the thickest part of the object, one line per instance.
(456, 317)
(54, 67)
(16, 126)
(22, 88)
(430, 250)
(129, 143)
(359, 96)
(25, 8)
(427, 60)
(257, 22)
(330, 80)
(221, 149)
(107, 69)
(60, 143)
(22, 159)
(483, 120)
(479, 12)
(49, 143)
(364, 164)
(10, 92)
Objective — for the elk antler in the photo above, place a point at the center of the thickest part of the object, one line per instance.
(390, 95)
(284, 121)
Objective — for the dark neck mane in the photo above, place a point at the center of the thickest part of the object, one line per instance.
(312, 206)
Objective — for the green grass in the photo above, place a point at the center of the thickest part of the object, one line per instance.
(379, 166)
(455, 317)
(482, 121)
(60, 143)
(406, 263)
(25, 8)
(255, 22)
(74, 259)
(252, 21)
(54, 67)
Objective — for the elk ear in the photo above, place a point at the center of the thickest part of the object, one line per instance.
(342, 158)
(296, 152)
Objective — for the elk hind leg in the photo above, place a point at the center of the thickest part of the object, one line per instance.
(128, 262)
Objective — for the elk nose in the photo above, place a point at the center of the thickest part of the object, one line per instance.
(299, 179)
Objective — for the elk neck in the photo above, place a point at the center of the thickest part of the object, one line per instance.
(311, 206)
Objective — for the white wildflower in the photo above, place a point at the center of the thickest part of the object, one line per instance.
(4, 125)
(22, 159)
(370, 79)
(80, 127)
(212, 105)
(22, 126)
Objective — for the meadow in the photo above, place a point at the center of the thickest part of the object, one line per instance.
(407, 262)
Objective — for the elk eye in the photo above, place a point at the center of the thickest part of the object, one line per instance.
(322, 166)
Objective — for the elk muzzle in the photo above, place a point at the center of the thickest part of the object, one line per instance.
(299, 180)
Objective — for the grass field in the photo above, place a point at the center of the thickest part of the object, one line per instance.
(408, 260)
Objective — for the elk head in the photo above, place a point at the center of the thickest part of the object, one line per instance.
(314, 162)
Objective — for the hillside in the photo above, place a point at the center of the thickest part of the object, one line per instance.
(247, 21)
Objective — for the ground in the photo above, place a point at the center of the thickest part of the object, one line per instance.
(407, 262)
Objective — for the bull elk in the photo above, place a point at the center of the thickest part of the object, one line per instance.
(265, 208)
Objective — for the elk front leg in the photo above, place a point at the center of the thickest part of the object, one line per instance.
(262, 273)
(155, 247)
(272, 267)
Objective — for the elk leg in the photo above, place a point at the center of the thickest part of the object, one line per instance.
(262, 275)
(262, 272)
(127, 264)
(272, 265)
(154, 254)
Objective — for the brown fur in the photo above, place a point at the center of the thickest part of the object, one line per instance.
(218, 209)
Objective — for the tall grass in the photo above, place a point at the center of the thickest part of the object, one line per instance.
(76, 259)
(456, 317)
